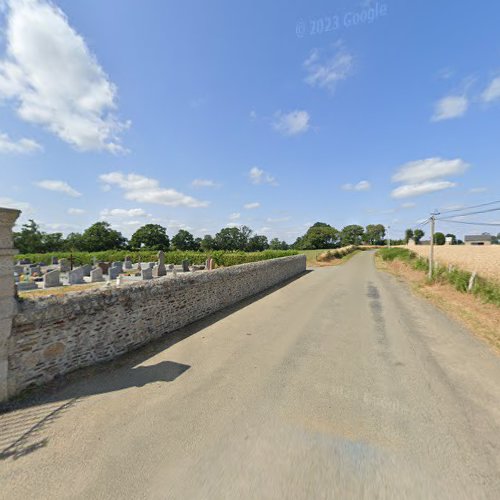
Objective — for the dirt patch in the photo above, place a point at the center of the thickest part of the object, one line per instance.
(482, 319)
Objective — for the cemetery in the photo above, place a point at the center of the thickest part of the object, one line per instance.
(42, 337)
(30, 276)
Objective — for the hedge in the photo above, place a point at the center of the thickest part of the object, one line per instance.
(220, 257)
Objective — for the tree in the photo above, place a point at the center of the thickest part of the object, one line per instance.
(232, 238)
(418, 234)
(351, 235)
(374, 234)
(183, 240)
(53, 242)
(151, 236)
(73, 242)
(319, 236)
(276, 244)
(207, 243)
(439, 238)
(257, 243)
(29, 239)
(408, 235)
(100, 236)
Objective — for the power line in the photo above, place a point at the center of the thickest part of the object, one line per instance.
(469, 208)
(475, 213)
(472, 223)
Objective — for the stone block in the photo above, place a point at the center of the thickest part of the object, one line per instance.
(75, 277)
(114, 272)
(25, 286)
(147, 274)
(86, 269)
(51, 279)
(96, 275)
(118, 264)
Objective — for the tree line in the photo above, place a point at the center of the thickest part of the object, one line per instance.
(100, 236)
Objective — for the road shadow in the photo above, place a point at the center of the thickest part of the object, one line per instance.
(23, 419)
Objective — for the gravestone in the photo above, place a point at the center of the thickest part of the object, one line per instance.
(162, 270)
(96, 275)
(147, 274)
(75, 277)
(185, 265)
(24, 286)
(54, 261)
(64, 265)
(52, 278)
(87, 268)
(104, 266)
(146, 265)
(127, 264)
(118, 264)
(114, 272)
(209, 264)
(19, 269)
(23, 262)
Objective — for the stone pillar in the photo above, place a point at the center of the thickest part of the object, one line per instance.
(8, 218)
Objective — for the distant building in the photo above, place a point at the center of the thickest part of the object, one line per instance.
(478, 239)
(449, 240)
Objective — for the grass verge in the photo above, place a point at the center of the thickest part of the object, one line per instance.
(479, 310)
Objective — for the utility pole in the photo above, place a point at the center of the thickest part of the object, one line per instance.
(388, 237)
(433, 229)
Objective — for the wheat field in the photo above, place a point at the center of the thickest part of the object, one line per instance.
(485, 260)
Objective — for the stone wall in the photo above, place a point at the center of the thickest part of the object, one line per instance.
(8, 218)
(55, 335)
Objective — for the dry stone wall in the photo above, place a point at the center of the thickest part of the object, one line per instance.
(54, 335)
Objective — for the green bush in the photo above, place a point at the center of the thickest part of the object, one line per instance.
(220, 257)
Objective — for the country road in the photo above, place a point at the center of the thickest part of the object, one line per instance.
(341, 384)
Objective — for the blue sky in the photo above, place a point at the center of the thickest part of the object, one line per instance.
(200, 114)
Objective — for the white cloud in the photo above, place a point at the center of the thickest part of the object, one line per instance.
(75, 211)
(53, 80)
(235, 216)
(259, 176)
(58, 186)
(327, 71)
(478, 190)
(428, 169)
(146, 190)
(18, 205)
(360, 186)
(22, 146)
(272, 220)
(232, 224)
(409, 190)
(251, 206)
(426, 176)
(123, 212)
(450, 107)
(492, 92)
(408, 204)
(293, 123)
(200, 183)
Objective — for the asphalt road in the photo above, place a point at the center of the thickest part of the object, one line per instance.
(341, 384)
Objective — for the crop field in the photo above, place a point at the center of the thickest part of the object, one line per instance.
(483, 259)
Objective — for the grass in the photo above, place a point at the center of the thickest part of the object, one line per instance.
(486, 290)
(447, 293)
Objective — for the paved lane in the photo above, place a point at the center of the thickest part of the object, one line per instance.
(339, 385)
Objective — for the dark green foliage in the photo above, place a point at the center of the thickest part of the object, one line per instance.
(184, 240)
(408, 235)
(257, 243)
(221, 258)
(439, 238)
(351, 235)
(418, 234)
(100, 236)
(150, 236)
(318, 236)
(374, 234)
(276, 244)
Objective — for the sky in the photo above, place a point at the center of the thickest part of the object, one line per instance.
(200, 115)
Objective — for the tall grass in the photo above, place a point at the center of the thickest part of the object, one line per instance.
(486, 290)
